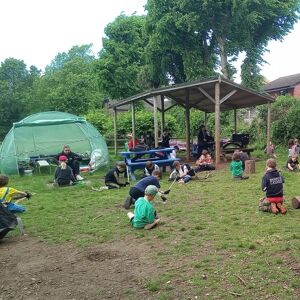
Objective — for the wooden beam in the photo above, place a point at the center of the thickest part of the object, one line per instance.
(228, 96)
(187, 122)
(162, 104)
(155, 121)
(171, 106)
(177, 100)
(206, 94)
(269, 124)
(115, 132)
(151, 104)
(205, 119)
(235, 119)
(133, 122)
(217, 123)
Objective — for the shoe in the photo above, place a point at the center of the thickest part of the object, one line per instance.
(78, 177)
(281, 208)
(102, 188)
(128, 202)
(274, 208)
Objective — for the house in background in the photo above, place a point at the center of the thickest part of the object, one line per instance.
(284, 85)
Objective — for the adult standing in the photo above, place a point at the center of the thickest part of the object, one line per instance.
(202, 139)
(165, 139)
(72, 161)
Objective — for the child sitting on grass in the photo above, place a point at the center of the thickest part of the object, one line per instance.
(63, 174)
(149, 168)
(272, 184)
(292, 163)
(204, 162)
(236, 167)
(138, 190)
(182, 173)
(7, 195)
(115, 178)
(144, 215)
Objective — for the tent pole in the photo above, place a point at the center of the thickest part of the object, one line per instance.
(115, 131)
(217, 123)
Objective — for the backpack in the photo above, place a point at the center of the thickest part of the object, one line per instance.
(190, 172)
(8, 221)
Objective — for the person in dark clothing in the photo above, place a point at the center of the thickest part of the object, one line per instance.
(138, 190)
(165, 139)
(149, 140)
(202, 140)
(115, 178)
(272, 184)
(293, 163)
(63, 173)
(72, 162)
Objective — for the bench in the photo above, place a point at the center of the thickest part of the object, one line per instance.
(132, 166)
(231, 150)
(137, 160)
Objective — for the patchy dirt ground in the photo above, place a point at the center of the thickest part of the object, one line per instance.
(31, 269)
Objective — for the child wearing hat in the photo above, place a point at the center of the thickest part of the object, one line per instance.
(144, 215)
(138, 190)
(64, 174)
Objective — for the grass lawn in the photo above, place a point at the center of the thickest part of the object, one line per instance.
(212, 236)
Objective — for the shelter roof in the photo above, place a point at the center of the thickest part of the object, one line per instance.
(202, 95)
(283, 82)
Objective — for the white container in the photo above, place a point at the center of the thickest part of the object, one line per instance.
(28, 172)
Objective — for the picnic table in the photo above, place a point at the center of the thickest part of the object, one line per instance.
(137, 159)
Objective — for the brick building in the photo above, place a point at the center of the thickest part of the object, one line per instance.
(284, 85)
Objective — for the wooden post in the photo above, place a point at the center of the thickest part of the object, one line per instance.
(250, 166)
(155, 121)
(133, 123)
(269, 124)
(162, 100)
(115, 131)
(187, 122)
(217, 123)
(235, 119)
(205, 119)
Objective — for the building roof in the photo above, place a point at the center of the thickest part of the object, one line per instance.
(202, 94)
(283, 83)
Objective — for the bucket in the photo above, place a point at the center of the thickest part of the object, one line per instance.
(28, 172)
(296, 202)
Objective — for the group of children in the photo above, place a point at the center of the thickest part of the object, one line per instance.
(143, 192)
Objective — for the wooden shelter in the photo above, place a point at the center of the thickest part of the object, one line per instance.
(215, 94)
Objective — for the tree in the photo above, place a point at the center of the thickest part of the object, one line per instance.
(224, 28)
(15, 84)
(84, 52)
(69, 83)
(176, 51)
(266, 21)
(121, 59)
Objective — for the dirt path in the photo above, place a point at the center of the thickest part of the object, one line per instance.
(31, 269)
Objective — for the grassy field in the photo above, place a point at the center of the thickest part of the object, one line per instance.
(212, 236)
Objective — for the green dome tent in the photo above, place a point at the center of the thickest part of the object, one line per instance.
(45, 134)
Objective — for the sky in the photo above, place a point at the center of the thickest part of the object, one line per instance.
(35, 31)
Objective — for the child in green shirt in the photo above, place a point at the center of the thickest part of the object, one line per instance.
(144, 213)
(236, 167)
